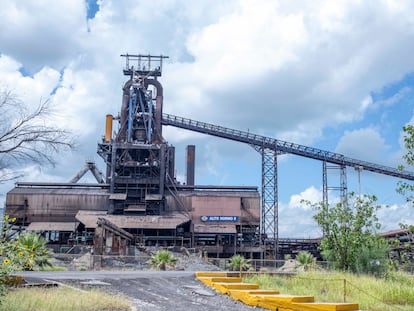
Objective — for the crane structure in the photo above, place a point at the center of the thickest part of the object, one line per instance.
(269, 149)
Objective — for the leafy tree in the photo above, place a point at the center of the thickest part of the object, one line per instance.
(405, 188)
(349, 226)
(162, 259)
(306, 259)
(26, 134)
(239, 263)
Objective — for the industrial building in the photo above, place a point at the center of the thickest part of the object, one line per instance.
(139, 202)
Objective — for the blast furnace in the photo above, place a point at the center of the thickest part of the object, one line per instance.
(138, 201)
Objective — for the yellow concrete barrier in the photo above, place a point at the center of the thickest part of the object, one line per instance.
(326, 306)
(225, 287)
(249, 296)
(281, 301)
(210, 280)
(231, 283)
(217, 274)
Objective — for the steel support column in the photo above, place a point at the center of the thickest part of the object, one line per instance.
(324, 184)
(269, 212)
(343, 188)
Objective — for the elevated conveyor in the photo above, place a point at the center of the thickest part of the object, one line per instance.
(270, 148)
(282, 146)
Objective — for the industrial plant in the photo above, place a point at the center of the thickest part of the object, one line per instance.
(138, 202)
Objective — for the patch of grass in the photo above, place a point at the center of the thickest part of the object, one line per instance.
(52, 268)
(62, 299)
(396, 292)
(81, 268)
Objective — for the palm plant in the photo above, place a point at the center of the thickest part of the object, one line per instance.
(162, 259)
(306, 259)
(239, 263)
(35, 244)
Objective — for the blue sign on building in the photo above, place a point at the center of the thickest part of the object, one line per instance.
(220, 218)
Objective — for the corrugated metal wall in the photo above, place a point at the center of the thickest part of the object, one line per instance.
(51, 205)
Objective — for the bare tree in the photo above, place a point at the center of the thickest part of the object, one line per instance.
(25, 135)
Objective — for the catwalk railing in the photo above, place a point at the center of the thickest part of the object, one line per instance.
(282, 146)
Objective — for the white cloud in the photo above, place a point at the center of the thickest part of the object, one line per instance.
(365, 144)
(310, 194)
(391, 217)
(29, 89)
(296, 218)
(233, 51)
(287, 68)
(42, 33)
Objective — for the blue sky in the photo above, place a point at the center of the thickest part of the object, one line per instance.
(335, 75)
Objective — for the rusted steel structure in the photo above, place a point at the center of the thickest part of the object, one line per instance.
(139, 201)
(139, 193)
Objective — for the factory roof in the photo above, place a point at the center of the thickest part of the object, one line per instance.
(58, 191)
(396, 232)
(52, 226)
(90, 218)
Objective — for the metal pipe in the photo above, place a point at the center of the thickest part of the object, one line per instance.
(108, 128)
(123, 118)
(158, 108)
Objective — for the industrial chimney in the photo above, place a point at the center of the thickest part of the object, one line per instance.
(190, 164)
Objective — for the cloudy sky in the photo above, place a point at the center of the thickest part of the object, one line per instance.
(335, 75)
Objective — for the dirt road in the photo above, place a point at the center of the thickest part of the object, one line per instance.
(149, 290)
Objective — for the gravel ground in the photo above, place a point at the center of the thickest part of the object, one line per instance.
(147, 290)
(173, 294)
(151, 290)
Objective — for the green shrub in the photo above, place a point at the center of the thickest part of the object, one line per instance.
(306, 259)
(373, 258)
(239, 263)
(25, 252)
(162, 260)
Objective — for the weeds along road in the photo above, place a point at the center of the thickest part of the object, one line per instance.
(147, 290)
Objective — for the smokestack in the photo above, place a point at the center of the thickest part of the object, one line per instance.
(171, 161)
(190, 165)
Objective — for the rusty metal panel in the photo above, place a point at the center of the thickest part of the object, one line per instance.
(179, 203)
(53, 205)
(115, 244)
(214, 228)
(215, 206)
(90, 218)
(250, 210)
